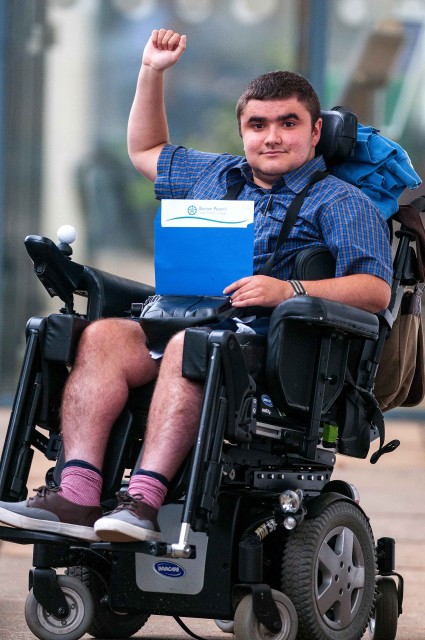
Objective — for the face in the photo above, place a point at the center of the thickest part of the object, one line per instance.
(278, 137)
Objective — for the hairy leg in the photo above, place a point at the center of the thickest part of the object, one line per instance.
(173, 416)
(112, 357)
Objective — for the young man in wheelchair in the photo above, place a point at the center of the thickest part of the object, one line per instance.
(280, 125)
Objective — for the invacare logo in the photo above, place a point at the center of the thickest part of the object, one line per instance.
(169, 569)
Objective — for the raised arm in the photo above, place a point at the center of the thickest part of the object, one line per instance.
(147, 125)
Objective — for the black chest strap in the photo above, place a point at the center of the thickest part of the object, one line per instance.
(292, 212)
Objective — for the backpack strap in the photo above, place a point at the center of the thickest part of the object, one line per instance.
(234, 189)
(291, 214)
(289, 220)
(375, 416)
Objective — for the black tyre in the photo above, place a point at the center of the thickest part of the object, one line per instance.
(47, 627)
(248, 627)
(328, 571)
(384, 620)
(106, 623)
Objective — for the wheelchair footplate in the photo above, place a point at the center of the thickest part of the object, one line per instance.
(152, 548)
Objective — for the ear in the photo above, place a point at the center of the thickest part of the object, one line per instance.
(317, 129)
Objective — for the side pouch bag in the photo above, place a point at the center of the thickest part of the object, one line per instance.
(400, 380)
(162, 316)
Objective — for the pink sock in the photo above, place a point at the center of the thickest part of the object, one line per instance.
(80, 485)
(152, 490)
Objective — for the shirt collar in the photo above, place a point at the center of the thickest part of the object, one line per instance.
(295, 180)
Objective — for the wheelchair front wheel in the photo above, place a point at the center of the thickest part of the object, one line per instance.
(46, 626)
(227, 626)
(106, 623)
(248, 627)
(384, 620)
(328, 571)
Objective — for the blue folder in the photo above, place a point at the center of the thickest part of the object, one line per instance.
(201, 260)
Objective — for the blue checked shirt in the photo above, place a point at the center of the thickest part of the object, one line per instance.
(334, 214)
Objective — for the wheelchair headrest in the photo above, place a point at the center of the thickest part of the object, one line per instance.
(338, 137)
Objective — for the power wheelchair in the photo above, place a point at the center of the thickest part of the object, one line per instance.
(257, 534)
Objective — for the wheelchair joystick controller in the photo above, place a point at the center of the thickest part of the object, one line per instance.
(66, 235)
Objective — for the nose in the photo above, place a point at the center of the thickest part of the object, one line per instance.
(273, 134)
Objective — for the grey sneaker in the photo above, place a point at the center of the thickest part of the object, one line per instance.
(131, 521)
(49, 512)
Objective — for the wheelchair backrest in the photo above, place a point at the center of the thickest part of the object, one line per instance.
(338, 136)
(353, 357)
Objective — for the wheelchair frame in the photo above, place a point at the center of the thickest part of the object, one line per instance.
(257, 479)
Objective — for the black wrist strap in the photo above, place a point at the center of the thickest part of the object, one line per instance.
(291, 214)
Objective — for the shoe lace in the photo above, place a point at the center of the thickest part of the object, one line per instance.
(128, 502)
(44, 491)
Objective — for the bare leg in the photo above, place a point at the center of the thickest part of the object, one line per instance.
(173, 416)
(171, 432)
(112, 357)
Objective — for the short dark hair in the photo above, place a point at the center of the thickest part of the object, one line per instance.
(280, 85)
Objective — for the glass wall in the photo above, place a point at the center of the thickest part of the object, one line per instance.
(63, 145)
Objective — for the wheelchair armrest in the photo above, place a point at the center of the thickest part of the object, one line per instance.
(110, 295)
(327, 313)
(308, 345)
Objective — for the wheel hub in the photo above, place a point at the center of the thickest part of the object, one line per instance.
(340, 577)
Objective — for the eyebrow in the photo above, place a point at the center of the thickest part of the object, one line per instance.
(282, 118)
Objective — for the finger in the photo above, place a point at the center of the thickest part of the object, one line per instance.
(235, 285)
(245, 301)
(162, 33)
(182, 44)
(173, 42)
(167, 37)
(242, 298)
(154, 37)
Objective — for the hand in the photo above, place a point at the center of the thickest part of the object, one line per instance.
(164, 49)
(258, 291)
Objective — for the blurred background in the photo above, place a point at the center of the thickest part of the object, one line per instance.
(68, 70)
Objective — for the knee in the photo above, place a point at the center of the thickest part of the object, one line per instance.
(108, 336)
(97, 333)
(173, 355)
(176, 344)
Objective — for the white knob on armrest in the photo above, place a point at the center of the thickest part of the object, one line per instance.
(66, 234)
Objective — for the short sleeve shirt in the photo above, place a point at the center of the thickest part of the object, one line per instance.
(334, 214)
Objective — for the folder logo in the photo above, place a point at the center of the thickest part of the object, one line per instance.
(207, 213)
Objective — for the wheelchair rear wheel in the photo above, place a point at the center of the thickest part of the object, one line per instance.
(106, 623)
(328, 571)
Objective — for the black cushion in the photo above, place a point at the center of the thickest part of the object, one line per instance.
(338, 137)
